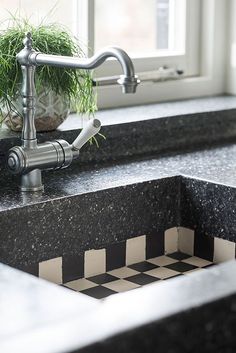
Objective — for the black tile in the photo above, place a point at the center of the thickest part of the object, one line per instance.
(32, 269)
(180, 274)
(181, 267)
(72, 267)
(142, 279)
(143, 266)
(98, 292)
(203, 246)
(103, 278)
(155, 245)
(115, 255)
(179, 256)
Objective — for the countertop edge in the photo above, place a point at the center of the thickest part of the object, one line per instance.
(184, 294)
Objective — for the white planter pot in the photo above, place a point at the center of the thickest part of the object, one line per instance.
(51, 110)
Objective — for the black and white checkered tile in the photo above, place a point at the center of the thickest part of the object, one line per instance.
(136, 261)
(139, 274)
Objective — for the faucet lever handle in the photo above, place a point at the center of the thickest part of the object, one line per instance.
(91, 129)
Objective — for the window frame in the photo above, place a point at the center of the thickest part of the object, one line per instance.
(205, 77)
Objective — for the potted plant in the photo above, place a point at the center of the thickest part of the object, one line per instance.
(56, 87)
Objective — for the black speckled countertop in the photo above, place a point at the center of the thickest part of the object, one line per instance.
(217, 165)
(155, 146)
(185, 173)
(197, 186)
(150, 129)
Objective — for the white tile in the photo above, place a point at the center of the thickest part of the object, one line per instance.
(123, 272)
(135, 250)
(224, 250)
(121, 285)
(162, 260)
(80, 284)
(186, 240)
(197, 261)
(94, 262)
(171, 240)
(162, 273)
(51, 270)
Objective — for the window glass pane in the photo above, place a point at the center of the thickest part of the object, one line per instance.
(140, 27)
(162, 23)
(57, 11)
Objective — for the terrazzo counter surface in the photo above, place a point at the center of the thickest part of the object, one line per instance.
(146, 129)
(129, 197)
(195, 190)
(216, 165)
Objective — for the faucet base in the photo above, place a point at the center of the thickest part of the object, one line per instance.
(32, 181)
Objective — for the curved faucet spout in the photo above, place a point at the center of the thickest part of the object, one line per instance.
(37, 58)
(128, 80)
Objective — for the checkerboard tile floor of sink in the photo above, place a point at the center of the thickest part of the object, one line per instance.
(139, 274)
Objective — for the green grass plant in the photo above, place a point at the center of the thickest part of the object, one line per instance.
(77, 84)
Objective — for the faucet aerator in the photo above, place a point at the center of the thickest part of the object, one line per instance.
(128, 83)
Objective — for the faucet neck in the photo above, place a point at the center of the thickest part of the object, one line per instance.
(28, 93)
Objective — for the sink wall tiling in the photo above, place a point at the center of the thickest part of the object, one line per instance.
(137, 261)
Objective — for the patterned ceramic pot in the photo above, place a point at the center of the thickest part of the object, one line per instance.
(51, 110)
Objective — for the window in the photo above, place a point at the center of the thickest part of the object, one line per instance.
(187, 35)
(155, 33)
(139, 27)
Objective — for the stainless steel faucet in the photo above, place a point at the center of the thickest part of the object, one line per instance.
(31, 158)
